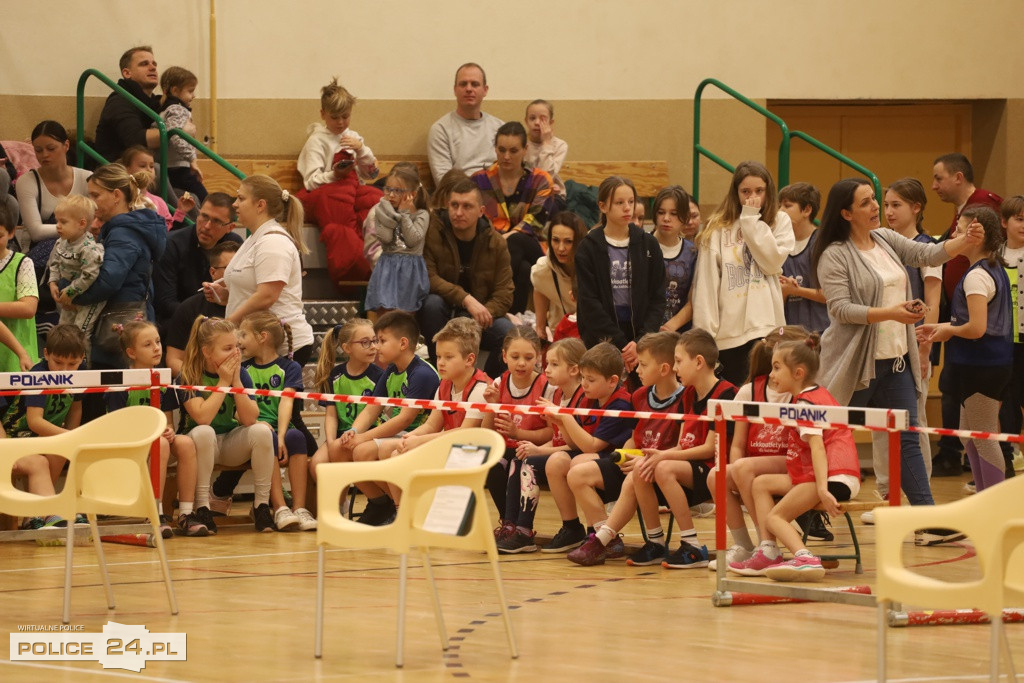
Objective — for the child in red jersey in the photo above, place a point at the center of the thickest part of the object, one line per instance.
(680, 472)
(596, 482)
(822, 467)
(756, 449)
(515, 535)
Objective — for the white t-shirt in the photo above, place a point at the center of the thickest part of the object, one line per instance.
(746, 393)
(549, 390)
(891, 341)
(668, 253)
(269, 255)
(1013, 256)
(475, 396)
(978, 281)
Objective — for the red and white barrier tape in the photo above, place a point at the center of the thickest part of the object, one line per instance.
(433, 404)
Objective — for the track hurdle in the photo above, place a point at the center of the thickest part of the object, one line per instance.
(795, 415)
(14, 384)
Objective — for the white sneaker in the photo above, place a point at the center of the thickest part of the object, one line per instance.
(306, 520)
(285, 519)
(737, 553)
(969, 488)
(868, 517)
(703, 510)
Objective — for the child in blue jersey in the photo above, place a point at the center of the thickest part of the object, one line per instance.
(805, 303)
(979, 355)
(37, 471)
(406, 376)
(587, 437)
(260, 335)
(598, 481)
(225, 427)
(671, 212)
(41, 415)
(357, 376)
(140, 343)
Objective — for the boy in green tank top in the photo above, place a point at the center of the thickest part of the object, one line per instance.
(19, 296)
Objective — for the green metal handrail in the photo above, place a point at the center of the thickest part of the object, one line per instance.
(842, 158)
(84, 148)
(700, 150)
(784, 146)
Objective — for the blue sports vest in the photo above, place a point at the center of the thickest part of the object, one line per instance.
(801, 311)
(995, 347)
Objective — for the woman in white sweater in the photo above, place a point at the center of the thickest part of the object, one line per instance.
(737, 296)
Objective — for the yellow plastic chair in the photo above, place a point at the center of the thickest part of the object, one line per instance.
(994, 523)
(418, 474)
(107, 474)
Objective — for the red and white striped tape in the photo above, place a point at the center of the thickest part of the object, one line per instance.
(78, 390)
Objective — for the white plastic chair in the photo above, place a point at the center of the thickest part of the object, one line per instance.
(994, 522)
(418, 474)
(107, 474)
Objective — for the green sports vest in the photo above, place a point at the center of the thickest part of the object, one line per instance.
(24, 329)
(347, 412)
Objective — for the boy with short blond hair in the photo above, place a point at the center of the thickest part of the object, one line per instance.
(588, 437)
(805, 303)
(680, 472)
(75, 262)
(332, 148)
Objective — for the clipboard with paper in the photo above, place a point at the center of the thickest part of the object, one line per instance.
(452, 508)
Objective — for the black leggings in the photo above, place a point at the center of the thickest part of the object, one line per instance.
(523, 252)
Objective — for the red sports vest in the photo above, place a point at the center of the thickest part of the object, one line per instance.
(839, 445)
(590, 423)
(453, 419)
(765, 439)
(540, 384)
(695, 432)
(661, 433)
(574, 401)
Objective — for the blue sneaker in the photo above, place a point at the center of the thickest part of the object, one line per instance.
(686, 557)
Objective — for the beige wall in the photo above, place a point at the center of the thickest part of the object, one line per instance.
(622, 76)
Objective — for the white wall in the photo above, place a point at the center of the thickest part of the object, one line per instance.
(566, 49)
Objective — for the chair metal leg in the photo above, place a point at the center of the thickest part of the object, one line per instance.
(402, 571)
(1009, 655)
(492, 554)
(883, 624)
(997, 628)
(165, 568)
(318, 642)
(68, 561)
(441, 630)
(101, 558)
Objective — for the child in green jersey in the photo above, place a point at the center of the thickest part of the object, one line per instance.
(225, 427)
(357, 376)
(260, 336)
(140, 343)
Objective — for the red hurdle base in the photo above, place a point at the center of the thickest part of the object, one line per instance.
(731, 599)
(944, 617)
(144, 540)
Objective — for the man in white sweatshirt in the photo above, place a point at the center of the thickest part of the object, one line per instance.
(464, 138)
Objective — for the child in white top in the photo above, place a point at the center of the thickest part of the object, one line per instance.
(543, 149)
(76, 259)
(317, 162)
(179, 88)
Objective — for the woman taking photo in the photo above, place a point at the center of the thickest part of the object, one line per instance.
(516, 200)
(553, 276)
(869, 353)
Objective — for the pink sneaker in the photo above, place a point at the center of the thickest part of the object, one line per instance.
(800, 568)
(756, 565)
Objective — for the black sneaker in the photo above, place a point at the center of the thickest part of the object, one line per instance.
(813, 522)
(517, 542)
(933, 536)
(205, 516)
(566, 539)
(263, 518)
(378, 514)
(651, 553)
(946, 466)
(166, 526)
(686, 557)
(190, 525)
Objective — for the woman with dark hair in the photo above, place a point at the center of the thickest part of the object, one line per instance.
(553, 276)
(869, 353)
(40, 189)
(517, 200)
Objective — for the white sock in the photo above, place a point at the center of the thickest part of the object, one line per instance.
(656, 535)
(741, 537)
(605, 534)
(689, 536)
(184, 508)
(803, 553)
(160, 507)
(770, 549)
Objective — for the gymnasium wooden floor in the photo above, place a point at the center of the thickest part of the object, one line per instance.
(247, 605)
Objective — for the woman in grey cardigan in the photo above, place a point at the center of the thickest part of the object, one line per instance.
(869, 351)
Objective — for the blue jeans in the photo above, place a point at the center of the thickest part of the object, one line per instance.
(894, 388)
(435, 313)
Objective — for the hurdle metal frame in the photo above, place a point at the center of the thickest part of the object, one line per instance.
(872, 419)
(88, 382)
